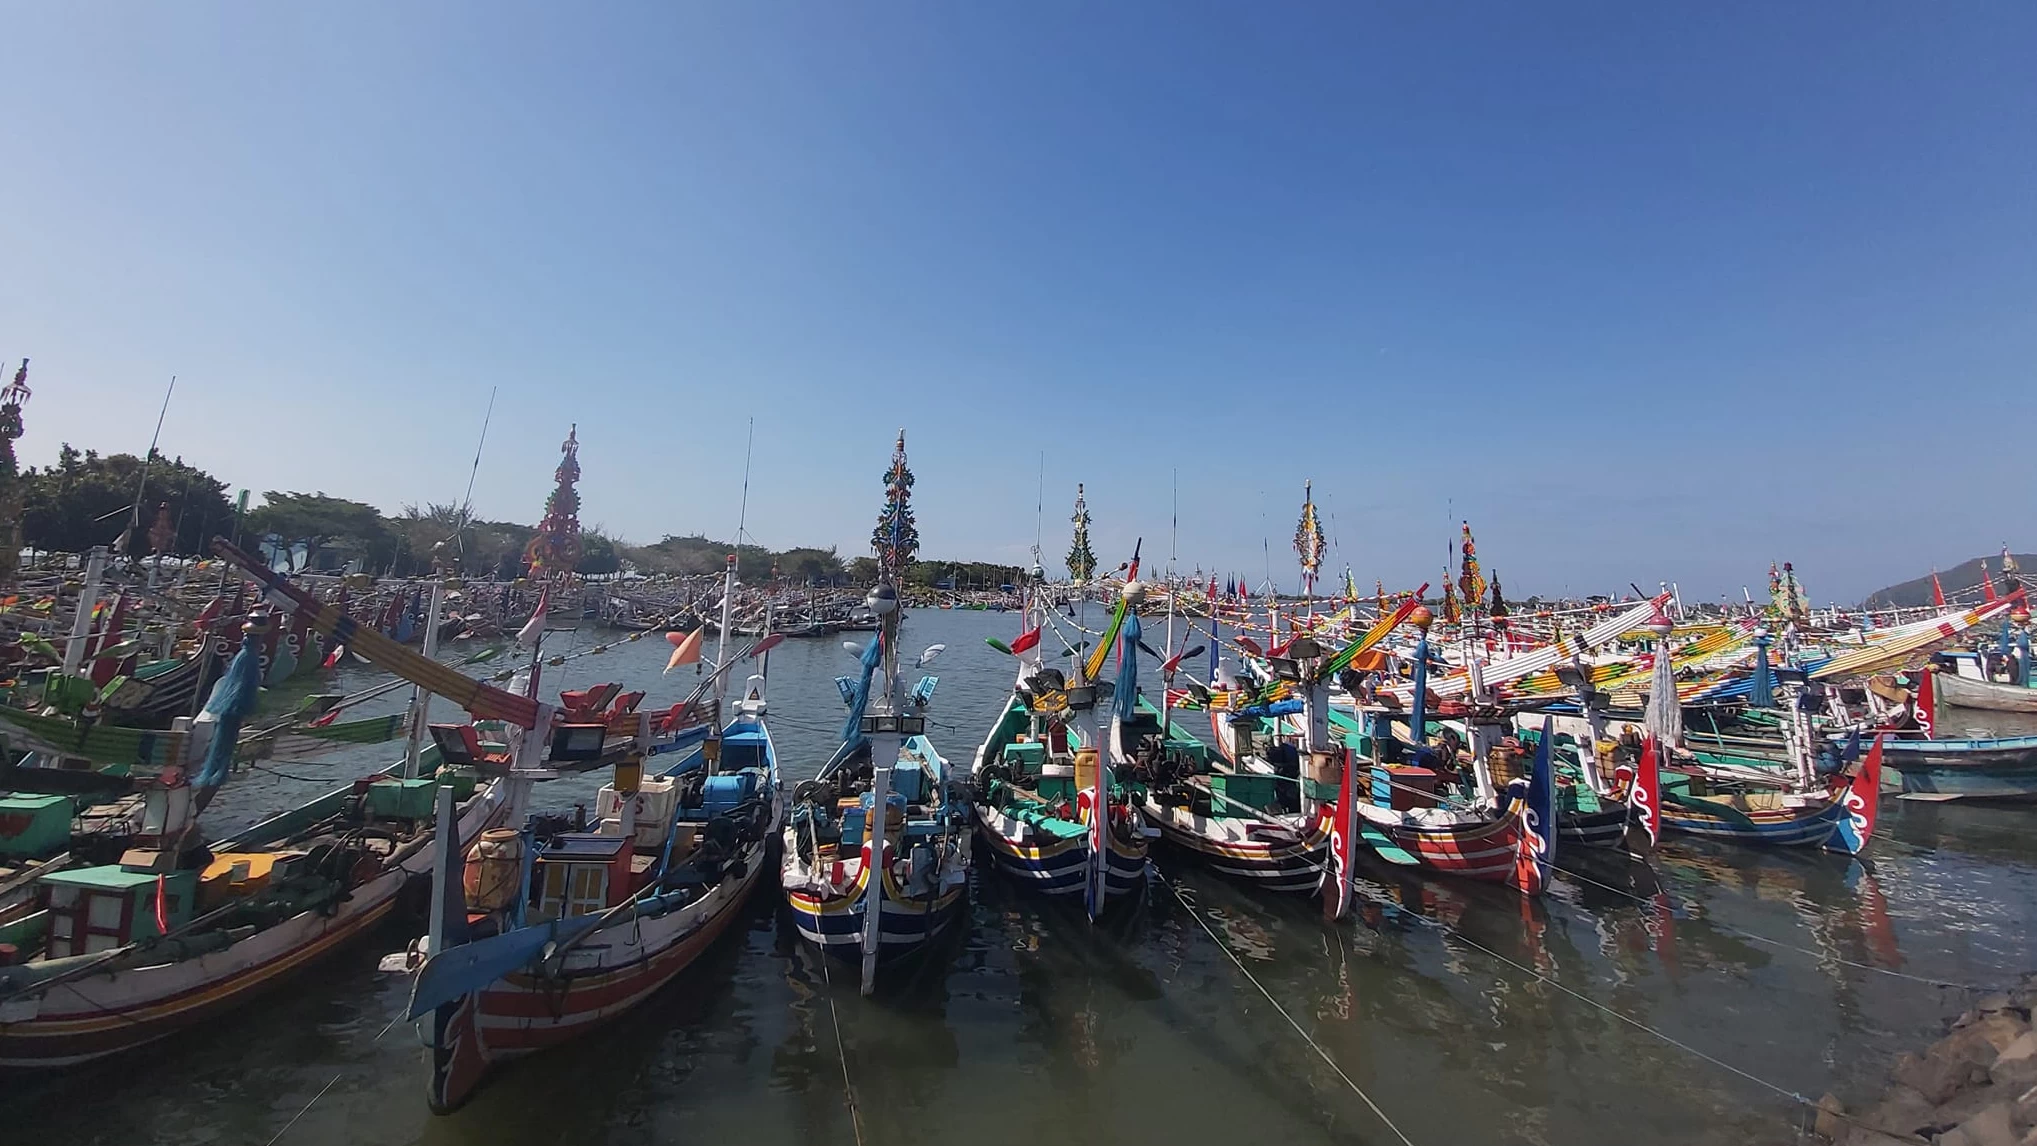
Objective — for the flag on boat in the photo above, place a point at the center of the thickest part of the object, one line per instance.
(1987, 583)
(535, 627)
(1937, 590)
(685, 647)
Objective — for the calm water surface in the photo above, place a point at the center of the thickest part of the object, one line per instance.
(1034, 1027)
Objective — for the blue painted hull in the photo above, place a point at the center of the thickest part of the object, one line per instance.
(1811, 828)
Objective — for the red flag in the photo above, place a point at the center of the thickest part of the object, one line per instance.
(1937, 590)
(162, 905)
(1025, 640)
(1987, 583)
(1644, 795)
(1927, 705)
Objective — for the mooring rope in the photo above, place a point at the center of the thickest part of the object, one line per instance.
(1313, 1044)
(834, 1013)
(1664, 1036)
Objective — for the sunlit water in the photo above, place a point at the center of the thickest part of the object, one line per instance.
(1035, 1027)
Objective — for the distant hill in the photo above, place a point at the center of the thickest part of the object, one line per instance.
(1963, 576)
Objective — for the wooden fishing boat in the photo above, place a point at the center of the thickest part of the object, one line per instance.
(1973, 691)
(1238, 822)
(925, 881)
(126, 953)
(569, 929)
(554, 929)
(1047, 802)
(876, 858)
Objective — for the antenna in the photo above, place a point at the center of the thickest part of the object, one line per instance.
(148, 459)
(743, 513)
(467, 501)
(1040, 512)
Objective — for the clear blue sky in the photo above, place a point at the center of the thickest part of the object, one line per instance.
(1646, 291)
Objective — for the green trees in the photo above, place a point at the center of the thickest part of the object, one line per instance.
(85, 500)
(318, 522)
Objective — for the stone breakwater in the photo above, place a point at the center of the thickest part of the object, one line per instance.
(1977, 1086)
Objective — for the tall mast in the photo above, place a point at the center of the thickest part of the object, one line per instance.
(1081, 560)
(896, 541)
(555, 550)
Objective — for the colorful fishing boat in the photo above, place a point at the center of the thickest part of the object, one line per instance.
(1047, 802)
(178, 932)
(876, 858)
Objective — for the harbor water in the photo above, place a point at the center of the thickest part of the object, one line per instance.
(1681, 1001)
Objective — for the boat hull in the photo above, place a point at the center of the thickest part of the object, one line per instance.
(1294, 865)
(1606, 828)
(1987, 695)
(524, 1012)
(1491, 851)
(1807, 827)
(1057, 867)
(100, 1015)
(1999, 769)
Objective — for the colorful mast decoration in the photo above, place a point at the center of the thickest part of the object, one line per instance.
(1308, 540)
(1081, 561)
(11, 400)
(1470, 582)
(896, 538)
(1450, 614)
(555, 551)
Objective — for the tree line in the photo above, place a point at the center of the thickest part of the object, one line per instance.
(162, 504)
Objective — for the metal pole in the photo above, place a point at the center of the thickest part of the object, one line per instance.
(88, 596)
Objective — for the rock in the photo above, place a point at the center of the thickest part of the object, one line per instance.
(1862, 1136)
(1989, 1004)
(1901, 1109)
(1829, 1125)
(2026, 1109)
(2015, 1069)
(1940, 1074)
(1963, 1106)
(1992, 1126)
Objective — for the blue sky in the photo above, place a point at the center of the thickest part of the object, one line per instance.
(1647, 292)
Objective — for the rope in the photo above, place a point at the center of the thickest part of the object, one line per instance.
(1731, 930)
(303, 1112)
(1637, 1024)
(841, 1051)
(1313, 1045)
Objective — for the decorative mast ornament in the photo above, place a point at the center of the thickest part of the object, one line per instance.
(1308, 540)
(1081, 562)
(12, 398)
(1470, 582)
(896, 538)
(555, 550)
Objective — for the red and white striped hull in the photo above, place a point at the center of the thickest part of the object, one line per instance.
(1495, 851)
(614, 970)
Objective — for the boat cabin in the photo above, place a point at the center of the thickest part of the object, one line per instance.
(94, 909)
(582, 873)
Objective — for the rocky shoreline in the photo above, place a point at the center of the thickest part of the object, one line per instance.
(1977, 1086)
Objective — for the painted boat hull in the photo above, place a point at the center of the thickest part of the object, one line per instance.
(100, 1015)
(1288, 866)
(1057, 867)
(1806, 827)
(1488, 851)
(604, 977)
(1983, 694)
(1997, 769)
(1606, 828)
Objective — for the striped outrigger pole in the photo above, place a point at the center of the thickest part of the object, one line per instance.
(483, 701)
